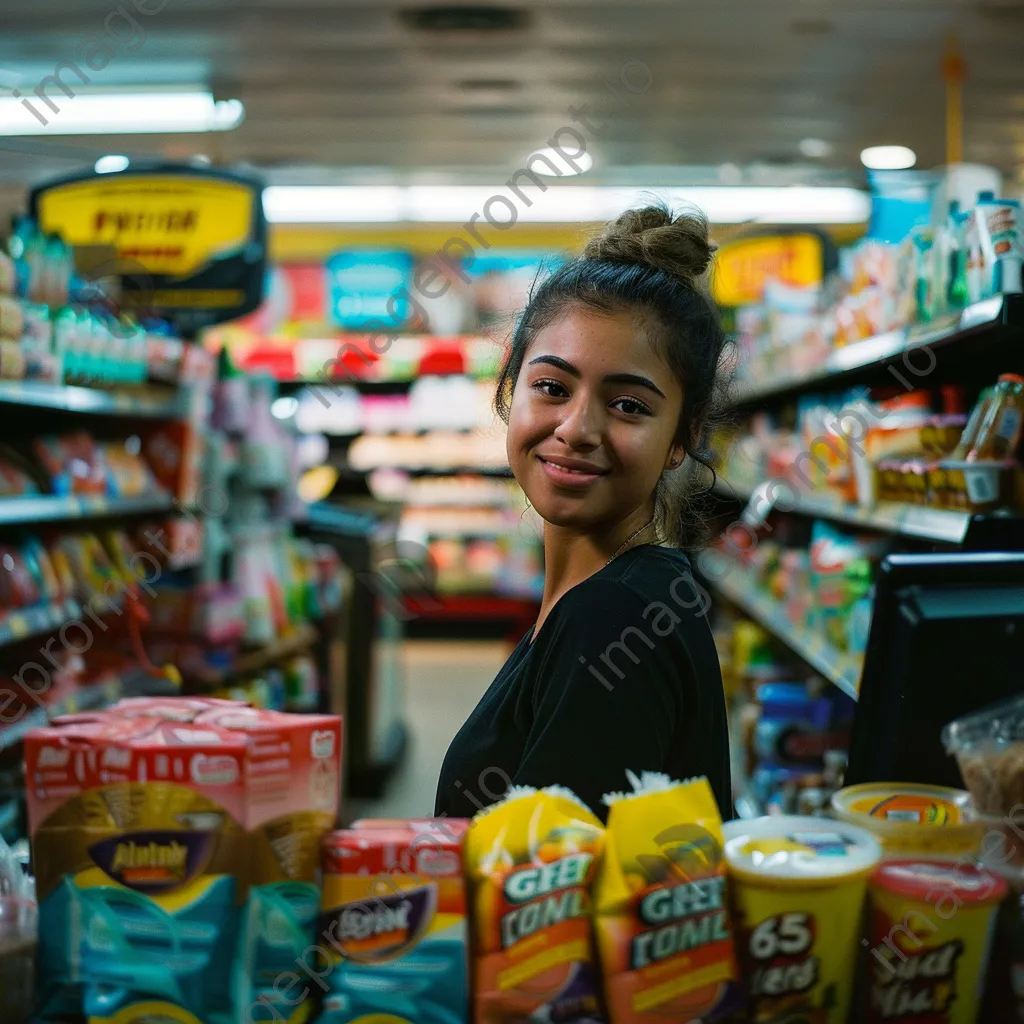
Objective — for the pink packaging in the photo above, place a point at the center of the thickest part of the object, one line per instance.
(257, 765)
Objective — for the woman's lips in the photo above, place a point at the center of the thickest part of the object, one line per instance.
(566, 473)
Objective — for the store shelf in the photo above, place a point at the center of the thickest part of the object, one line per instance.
(51, 508)
(96, 401)
(250, 662)
(990, 320)
(26, 622)
(944, 525)
(841, 669)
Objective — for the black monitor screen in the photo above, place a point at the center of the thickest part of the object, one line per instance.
(947, 638)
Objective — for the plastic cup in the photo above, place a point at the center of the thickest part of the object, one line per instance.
(798, 889)
(912, 820)
(930, 935)
(18, 927)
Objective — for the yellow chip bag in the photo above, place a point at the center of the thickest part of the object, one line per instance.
(661, 907)
(530, 861)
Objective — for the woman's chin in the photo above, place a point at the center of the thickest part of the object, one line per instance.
(571, 514)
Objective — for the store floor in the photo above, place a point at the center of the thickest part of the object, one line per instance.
(444, 679)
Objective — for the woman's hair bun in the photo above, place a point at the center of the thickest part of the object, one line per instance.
(653, 236)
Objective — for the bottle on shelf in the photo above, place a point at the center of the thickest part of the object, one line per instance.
(1000, 432)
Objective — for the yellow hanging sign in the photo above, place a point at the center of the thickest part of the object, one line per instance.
(167, 224)
(743, 267)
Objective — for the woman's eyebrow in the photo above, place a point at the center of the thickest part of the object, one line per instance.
(634, 378)
(558, 362)
(611, 378)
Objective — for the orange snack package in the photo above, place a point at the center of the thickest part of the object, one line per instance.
(661, 906)
(529, 861)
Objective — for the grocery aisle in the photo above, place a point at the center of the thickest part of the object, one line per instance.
(444, 679)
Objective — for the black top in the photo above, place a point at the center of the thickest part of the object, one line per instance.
(623, 675)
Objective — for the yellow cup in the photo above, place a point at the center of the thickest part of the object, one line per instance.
(931, 929)
(798, 889)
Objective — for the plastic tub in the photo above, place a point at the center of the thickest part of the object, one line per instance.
(911, 819)
(931, 930)
(798, 889)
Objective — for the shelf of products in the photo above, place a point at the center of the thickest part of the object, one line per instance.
(253, 661)
(738, 586)
(70, 398)
(24, 622)
(994, 318)
(50, 508)
(943, 525)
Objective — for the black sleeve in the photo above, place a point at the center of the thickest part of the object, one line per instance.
(606, 694)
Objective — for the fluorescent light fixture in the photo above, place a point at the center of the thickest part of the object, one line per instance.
(110, 164)
(888, 158)
(815, 149)
(333, 204)
(565, 164)
(96, 113)
(491, 206)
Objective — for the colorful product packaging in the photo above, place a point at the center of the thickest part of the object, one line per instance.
(911, 819)
(176, 847)
(661, 906)
(530, 861)
(798, 888)
(930, 933)
(393, 923)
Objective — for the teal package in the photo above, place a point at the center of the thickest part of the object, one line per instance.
(105, 948)
(425, 986)
(276, 938)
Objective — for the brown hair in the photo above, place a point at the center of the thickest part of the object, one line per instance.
(654, 264)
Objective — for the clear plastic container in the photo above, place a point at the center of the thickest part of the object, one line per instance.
(989, 748)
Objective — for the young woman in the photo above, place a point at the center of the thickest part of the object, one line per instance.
(609, 382)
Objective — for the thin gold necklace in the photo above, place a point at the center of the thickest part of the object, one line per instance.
(625, 544)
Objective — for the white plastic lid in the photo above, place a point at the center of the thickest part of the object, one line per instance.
(794, 848)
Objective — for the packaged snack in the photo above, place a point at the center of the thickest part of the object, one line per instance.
(798, 888)
(12, 319)
(19, 585)
(127, 474)
(72, 463)
(661, 906)
(909, 819)
(530, 860)
(989, 748)
(930, 932)
(394, 924)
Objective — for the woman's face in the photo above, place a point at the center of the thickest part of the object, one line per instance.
(593, 420)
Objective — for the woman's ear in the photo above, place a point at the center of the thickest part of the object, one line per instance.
(675, 457)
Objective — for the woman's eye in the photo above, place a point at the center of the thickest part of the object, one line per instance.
(631, 407)
(551, 388)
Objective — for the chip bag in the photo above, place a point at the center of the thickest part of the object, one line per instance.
(530, 861)
(661, 907)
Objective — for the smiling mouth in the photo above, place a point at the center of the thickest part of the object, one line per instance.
(569, 467)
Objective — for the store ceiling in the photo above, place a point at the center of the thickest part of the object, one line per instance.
(334, 88)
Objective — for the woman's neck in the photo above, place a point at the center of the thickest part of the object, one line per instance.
(571, 556)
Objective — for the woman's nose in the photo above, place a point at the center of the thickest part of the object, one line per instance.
(581, 426)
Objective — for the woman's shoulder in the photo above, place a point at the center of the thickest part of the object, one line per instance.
(635, 587)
